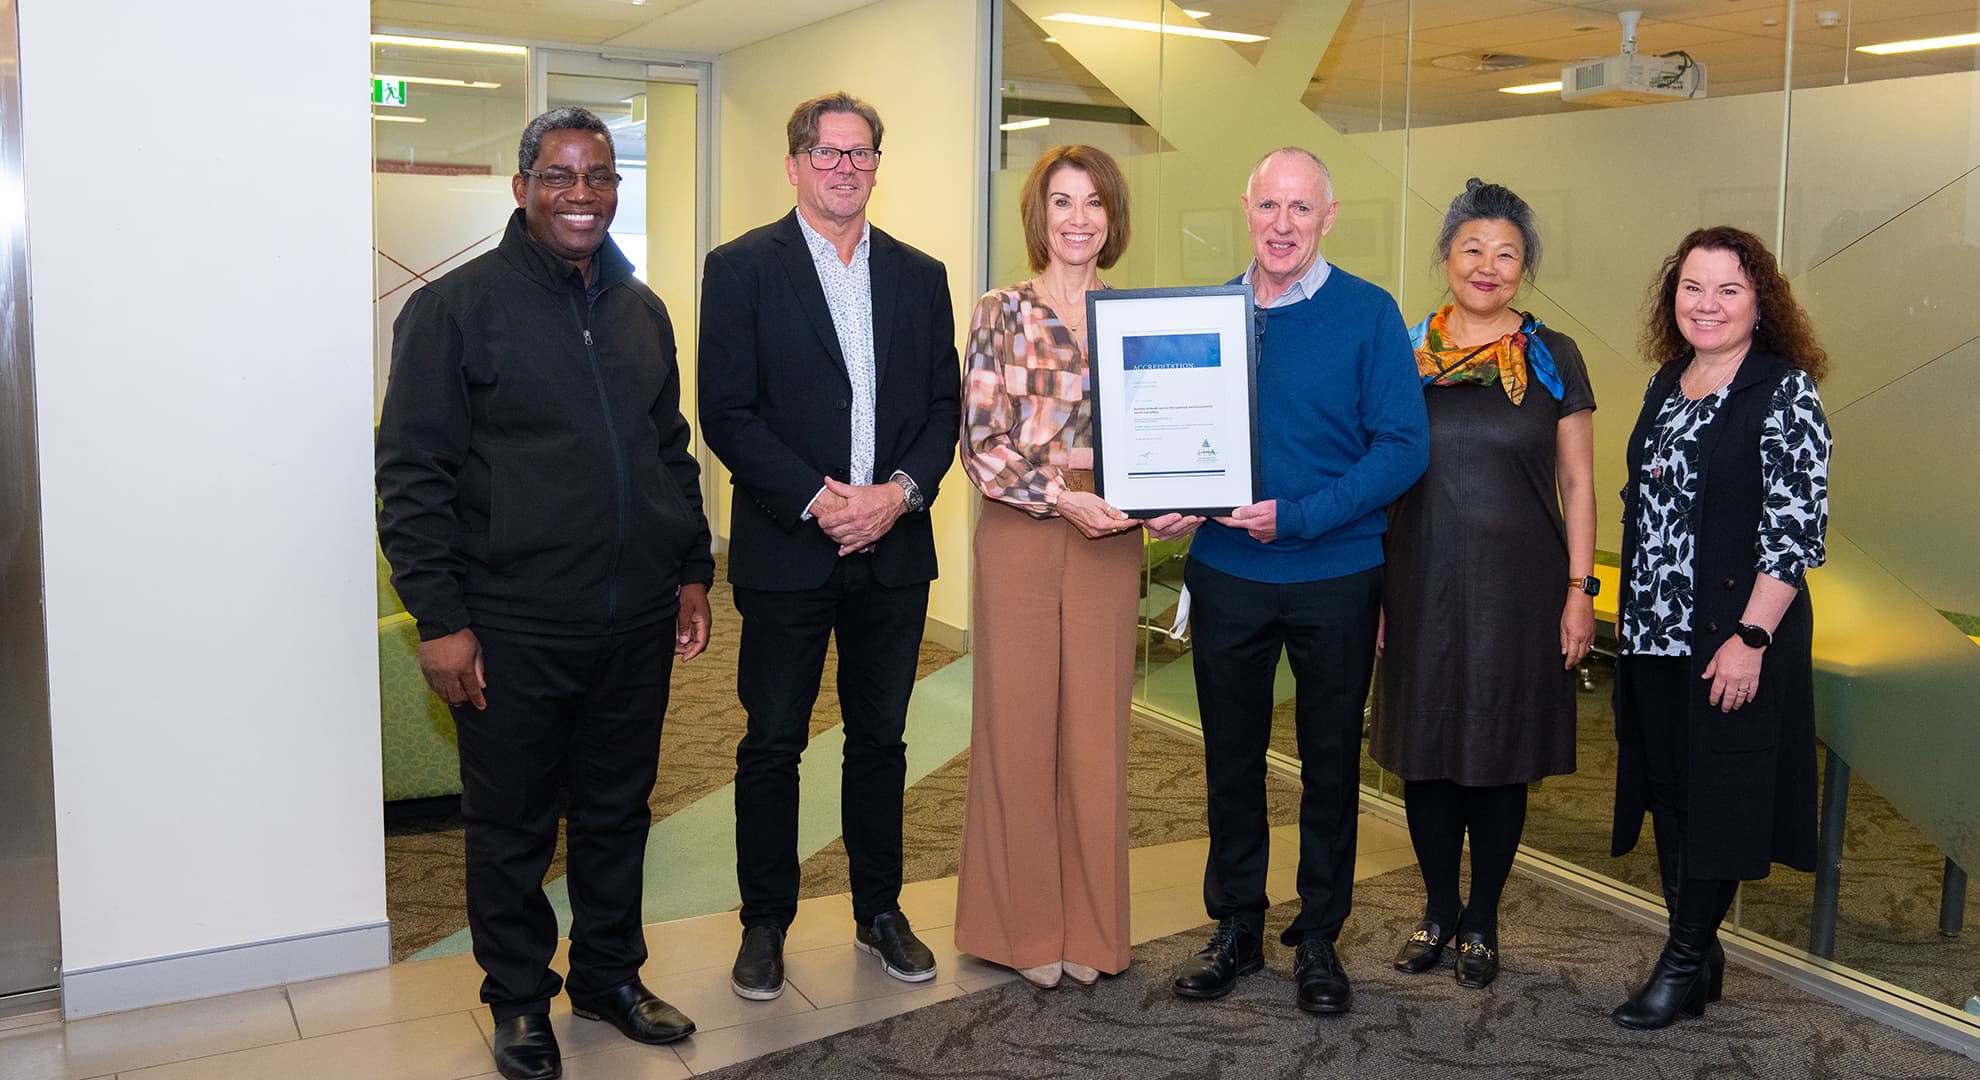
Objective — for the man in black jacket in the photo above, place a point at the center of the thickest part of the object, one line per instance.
(829, 387)
(542, 514)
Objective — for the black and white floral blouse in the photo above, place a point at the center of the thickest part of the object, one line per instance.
(1794, 465)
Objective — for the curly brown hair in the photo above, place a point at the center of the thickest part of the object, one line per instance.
(1783, 328)
(1108, 183)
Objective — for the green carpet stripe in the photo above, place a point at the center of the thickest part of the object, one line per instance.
(691, 855)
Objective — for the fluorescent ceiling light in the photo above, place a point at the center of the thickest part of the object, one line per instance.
(398, 119)
(1532, 88)
(1154, 28)
(444, 43)
(1196, 14)
(421, 80)
(1921, 45)
(1025, 125)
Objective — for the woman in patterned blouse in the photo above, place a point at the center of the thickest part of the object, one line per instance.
(1043, 885)
(1724, 513)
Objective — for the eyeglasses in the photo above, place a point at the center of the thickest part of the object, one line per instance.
(565, 179)
(825, 158)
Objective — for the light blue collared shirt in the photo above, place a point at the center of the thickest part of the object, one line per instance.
(1306, 288)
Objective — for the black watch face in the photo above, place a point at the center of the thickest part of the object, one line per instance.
(1755, 637)
(1592, 586)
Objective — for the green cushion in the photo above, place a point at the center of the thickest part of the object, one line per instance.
(421, 754)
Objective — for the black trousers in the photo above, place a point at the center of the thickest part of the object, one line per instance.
(1662, 688)
(1327, 632)
(572, 726)
(780, 663)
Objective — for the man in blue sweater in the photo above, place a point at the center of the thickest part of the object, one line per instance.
(1342, 433)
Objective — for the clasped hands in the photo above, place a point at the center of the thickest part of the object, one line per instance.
(856, 517)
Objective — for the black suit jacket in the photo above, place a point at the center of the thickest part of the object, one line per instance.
(776, 400)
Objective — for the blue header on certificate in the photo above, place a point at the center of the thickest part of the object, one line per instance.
(1143, 352)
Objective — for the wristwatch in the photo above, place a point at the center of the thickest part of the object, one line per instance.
(1755, 637)
(1590, 585)
(910, 491)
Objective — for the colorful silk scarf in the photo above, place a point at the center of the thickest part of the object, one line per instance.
(1507, 361)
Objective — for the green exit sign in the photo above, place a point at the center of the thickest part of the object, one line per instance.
(389, 92)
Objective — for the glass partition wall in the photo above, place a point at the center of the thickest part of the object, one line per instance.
(1848, 136)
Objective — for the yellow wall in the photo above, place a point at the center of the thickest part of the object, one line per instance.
(919, 63)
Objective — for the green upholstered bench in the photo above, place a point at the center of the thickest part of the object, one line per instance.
(420, 754)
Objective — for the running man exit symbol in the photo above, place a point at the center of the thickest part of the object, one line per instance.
(390, 92)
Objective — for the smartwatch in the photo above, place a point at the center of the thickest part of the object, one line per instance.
(1754, 637)
(1590, 585)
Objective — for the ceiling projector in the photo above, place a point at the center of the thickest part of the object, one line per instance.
(1633, 79)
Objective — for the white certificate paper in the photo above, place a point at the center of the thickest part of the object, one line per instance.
(1173, 381)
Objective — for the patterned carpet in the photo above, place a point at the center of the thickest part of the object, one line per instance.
(1546, 1017)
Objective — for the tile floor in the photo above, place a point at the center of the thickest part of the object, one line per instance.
(422, 1021)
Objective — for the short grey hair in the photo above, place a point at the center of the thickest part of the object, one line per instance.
(1326, 174)
(568, 118)
(1480, 201)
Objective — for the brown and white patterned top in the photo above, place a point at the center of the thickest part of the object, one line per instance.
(1025, 400)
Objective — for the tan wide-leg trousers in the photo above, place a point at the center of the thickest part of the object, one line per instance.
(1044, 873)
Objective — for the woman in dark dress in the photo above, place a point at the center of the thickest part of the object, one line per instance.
(1725, 510)
(1488, 605)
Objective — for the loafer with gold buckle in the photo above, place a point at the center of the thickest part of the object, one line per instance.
(1422, 949)
(1477, 960)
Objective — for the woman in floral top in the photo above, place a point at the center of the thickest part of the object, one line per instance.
(1724, 513)
(1043, 885)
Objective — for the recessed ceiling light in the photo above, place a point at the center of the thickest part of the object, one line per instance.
(1051, 41)
(398, 119)
(1154, 28)
(420, 80)
(447, 43)
(1196, 14)
(1025, 125)
(1921, 44)
(1532, 88)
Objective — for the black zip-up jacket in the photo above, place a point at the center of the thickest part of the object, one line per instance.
(534, 471)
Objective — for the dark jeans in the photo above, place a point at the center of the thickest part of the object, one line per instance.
(1327, 632)
(572, 725)
(782, 658)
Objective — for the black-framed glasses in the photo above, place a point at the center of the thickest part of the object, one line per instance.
(565, 179)
(826, 158)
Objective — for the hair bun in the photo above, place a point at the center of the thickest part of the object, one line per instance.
(1473, 184)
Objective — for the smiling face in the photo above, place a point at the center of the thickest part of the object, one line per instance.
(1715, 307)
(571, 222)
(1484, 265)
(1075, 217)
(1288, 208)
(835, 196)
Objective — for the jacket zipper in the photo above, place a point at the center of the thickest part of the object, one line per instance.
(618, 458)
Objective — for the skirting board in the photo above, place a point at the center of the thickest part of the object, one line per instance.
(138, 983)
(949, 637)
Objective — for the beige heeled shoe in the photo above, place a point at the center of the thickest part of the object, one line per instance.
(1044, 976)
(1080, 973)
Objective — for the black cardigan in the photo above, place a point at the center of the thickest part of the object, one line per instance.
(1752, 771)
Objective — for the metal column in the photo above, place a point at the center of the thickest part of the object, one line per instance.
(30, 933)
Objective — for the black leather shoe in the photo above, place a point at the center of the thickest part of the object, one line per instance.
(1423, 948)
(1477, 959)
(526, 1048)
(759, 971)
(1214, 970)
(634, 1010)
(1323, 986)
(893, 941)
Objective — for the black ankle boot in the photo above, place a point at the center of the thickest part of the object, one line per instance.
(1680, 981)
(1670, 867)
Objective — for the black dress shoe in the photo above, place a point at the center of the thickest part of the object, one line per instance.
(1423, 948)
(526, 1048)
(1323, 986)
(1214, 970)
(634, 1010)
(893, 941)
(1477, 959)
(759, 971)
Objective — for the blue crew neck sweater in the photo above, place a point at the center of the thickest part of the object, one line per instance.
(1341, 434)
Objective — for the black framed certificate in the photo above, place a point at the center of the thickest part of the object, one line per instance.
(1175, 399)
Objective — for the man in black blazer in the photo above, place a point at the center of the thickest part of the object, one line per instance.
(829, 387)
